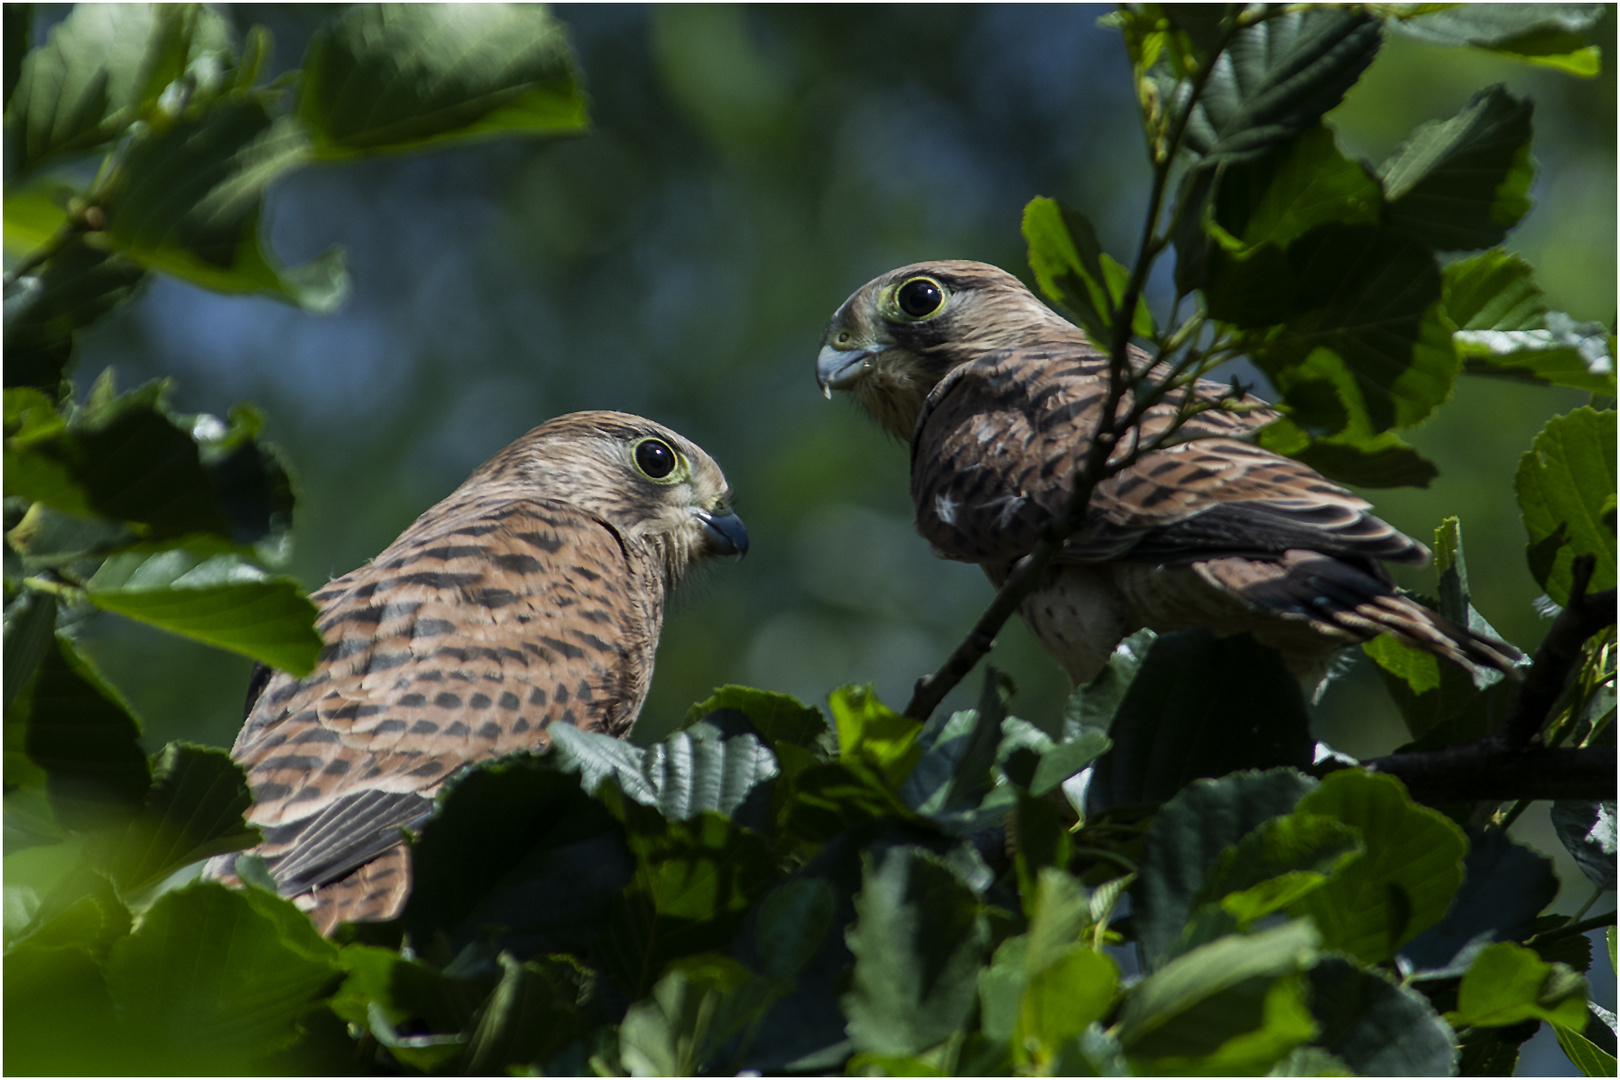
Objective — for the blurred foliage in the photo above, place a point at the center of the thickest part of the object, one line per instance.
(803, 893)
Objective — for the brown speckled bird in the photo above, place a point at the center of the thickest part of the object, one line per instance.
(999, 397)
(531, 596)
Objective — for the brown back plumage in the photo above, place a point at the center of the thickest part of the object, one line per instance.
(532, 595)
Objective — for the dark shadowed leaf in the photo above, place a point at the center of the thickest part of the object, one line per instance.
(1362, 460)
(30, 636)
(83, 734)
(692, 1011)
(1504, 887)
(44, 309)
(1587, 830)
(187, 200)
(1366, 346)
(1186, 841)
(1277, 78)
(401, 76)
(1404, 880)
(1375, 1026)
(1462, 183)
(1565, 482)
(535, 1010)
(918, 940)
(1200, 706)
(517, 844)
(692, 885)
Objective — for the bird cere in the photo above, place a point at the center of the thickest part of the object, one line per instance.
(532, 595)
(1000, 397)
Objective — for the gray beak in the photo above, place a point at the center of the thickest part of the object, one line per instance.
(839, 369)
(726, 533)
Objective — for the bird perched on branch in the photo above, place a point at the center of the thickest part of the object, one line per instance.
(1000, 398)
(531, 596)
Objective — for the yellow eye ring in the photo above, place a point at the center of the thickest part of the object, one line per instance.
(919, 298)
(658, 461)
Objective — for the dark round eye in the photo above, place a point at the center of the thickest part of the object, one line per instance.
(920, 297)
(655, 458)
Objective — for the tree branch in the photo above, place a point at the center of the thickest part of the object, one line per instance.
(1559, 652)
(1505, 765)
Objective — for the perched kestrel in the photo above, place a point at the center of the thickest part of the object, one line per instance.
(531, 596)
(999, 397)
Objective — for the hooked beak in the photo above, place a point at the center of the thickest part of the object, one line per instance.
(839, 369)
(726, 533)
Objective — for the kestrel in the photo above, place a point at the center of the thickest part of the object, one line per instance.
(999, 397)
(531, 596)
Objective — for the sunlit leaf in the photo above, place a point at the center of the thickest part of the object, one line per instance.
(1509, 984)
(1566, 485)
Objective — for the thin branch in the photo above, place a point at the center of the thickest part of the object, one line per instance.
(1560, 651)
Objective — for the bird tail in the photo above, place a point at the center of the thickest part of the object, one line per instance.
(1344, 601)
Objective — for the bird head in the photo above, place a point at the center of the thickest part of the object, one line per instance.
(658, 491)
(902, 332)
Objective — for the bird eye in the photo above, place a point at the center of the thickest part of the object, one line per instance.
(654, 458)
(920, 297)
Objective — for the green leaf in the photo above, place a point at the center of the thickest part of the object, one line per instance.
(699, 769)
(1277, 78)
(1506, 331)
(212, 981)
(1094, 705)
(84, 735)
(1063, 998)
(1505, 887)
(104, 67)
(1073, 270)
(779, 718)
(1509, 984)
(45, 309)
(1176, 722)
(193, 811)
(693, 884)
(1558, 35)
(1586, 1055)
(403, 76)
(918, 939)
(1587, 831)
(1564, 483)
(1462, 183)
(222, 601)
(827, 799)
(535, 1010)
(30, 636)
(1376, 1026)
(685, 1021)
(869, 730)
(1296, 186)
(1363, 460)
(187, 200)
(1276, 864)
(1366, 346)
(1232, 1006)
(1402, 883)
(1187, 841)
(59, 1016)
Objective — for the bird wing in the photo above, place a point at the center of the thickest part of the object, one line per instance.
(1001, 439)
(487, 621)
